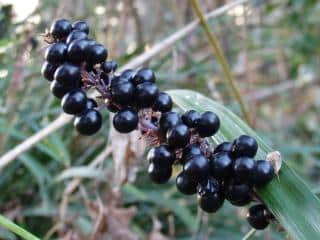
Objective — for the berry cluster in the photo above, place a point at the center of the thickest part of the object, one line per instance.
(75, 64)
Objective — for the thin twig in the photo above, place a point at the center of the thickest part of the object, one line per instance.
(221, 58)
(160, 47)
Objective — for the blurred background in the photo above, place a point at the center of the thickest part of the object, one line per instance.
(74, 187)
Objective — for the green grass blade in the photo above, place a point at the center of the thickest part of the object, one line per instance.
(287, 196)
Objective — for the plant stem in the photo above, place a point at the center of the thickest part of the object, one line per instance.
(249, 235)
(220, 57)
(6, 223)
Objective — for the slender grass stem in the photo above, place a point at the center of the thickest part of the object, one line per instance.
(249, 235)
(221, 58)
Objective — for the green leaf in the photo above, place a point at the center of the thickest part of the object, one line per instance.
(287, 196)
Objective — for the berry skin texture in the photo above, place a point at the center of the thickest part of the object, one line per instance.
(146, 94)
(210, 198)
(197, 168)
(190, 151)
(208, 124)
(91, 103)
(223, 147)
(60, 28)
(238, 194)
(96, 53)
(263, 174)
(244, 169)
(161, 156)
(144, 75)
(185, 184)
(68, 75)
(168, 120)
(178, 136)
(125, 120)
(244, 146)
(58, 90)
(89, 122)
(109, 66)
(257, 217)
(221, 165)
(163, 103)
(74, 102)
(190, 118)
(81, 26)
(47, 70)
(77, 50)
(158, 174)
(123, 93)
(56, 53)
(76, 35)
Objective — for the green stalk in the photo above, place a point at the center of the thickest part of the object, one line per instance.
(249, 235)
(6, 223)
(221, 58)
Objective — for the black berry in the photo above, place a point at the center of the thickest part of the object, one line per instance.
(68, 75)
(210, 197)
(96, 53)
(257, 216)
(223, 147)
(191, 118)
(168, 120)
(161, 156)
(77, 50)
(81, 26)
(178, 136)
(244, 169)
(237, 193)
(109, 66)
(48, 70)
(146, 94)
(58, 90)
(244, 146)
(197, 168)
(76, 35)
(56, 53)
(190, 151)
(74, 102)
(89, 122)
(263, 174)
(60, 28)
(125, 120)
(123, 92)
(144, 75)
(163, 103)
(158, 174)
(221, 165)
(91, 103)
(185, 184)
(208, 124)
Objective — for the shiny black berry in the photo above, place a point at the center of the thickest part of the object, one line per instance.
(89, 122)
(178, 136)
(237, 193)
(244, 169)
(223, 147)
(159, 174)
(96, 53)
(74, 102)
(125, 120)
(185, 184)
(163, 103)
(123, 93)
(60, 28)
(144, 75)
(76, 35)
(56, 53)
(127, 75)
(58, 90)
(190, 118)
(68, 75)
(169, 120)
(221, 165)
(257, 216)
(109, 66)
(208, 124)
(263, 174)
(190, 151)
(161, 156)
(244, 146)
(81, 26)
(77, 51)
(48, 69)
(197, 168)
(91, 103)
(146, 94)
(210, 198)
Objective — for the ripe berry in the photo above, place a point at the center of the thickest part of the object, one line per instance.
(190, 118)
(81, 26)
(91, 103)
(244, 146)
(197, 168)
(210, 197)
(221, 165)
(125, 120)
(58, 90)
(161, 156)
(257, 216)
(158, 174)
(244, 169)
(77, 50)
(190, 151)
(76, 35)
(111, 106)
(208, 124)
(223, 147)
(96, 53)
(178, 136)
(238, 194)
(263, 174)
(123, 92)
(56, 53)
(60, 28)
(146, 94)
(109, 66)
(48, 70)
(89, 122)
(185, 184)
(163, 103)
(127, 75)
(74, 102)
(168, 120)
(68, 75)
(144, 75)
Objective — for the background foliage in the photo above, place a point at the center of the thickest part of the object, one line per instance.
(272, 47)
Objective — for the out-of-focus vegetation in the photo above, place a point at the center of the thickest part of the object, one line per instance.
(273, 49)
